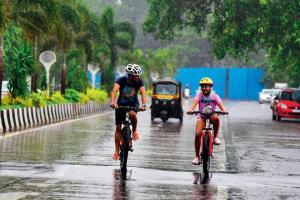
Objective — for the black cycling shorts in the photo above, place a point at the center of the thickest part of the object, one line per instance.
(120, 116)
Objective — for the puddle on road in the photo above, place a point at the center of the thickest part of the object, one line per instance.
(68, 181)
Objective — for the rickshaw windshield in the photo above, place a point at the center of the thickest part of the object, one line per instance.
(169, 89)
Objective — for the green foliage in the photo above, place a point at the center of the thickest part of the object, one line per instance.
(3, 15)
(7, 100)
(57, 98)
(37, 100)
(97, 95)
(26, 102)
(72, 95)
(76, 77)
(19, 61)
(166, 17)
(125, 35)
(76, 55)
(237, 28)
(83, 98)
(162, 61)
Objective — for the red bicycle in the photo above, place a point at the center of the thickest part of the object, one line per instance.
(206, 141)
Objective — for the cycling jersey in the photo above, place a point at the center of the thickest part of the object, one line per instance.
(128, 92)
(212, 99)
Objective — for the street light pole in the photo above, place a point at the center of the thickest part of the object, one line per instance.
(47, 58)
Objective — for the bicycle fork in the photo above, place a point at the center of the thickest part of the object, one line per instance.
(204, 133)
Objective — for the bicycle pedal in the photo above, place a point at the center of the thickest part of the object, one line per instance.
(131, 150)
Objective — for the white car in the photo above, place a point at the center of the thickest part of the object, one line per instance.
(265, 95)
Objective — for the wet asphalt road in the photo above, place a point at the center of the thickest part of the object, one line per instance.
(259, 159)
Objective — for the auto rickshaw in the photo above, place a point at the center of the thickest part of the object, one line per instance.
(166, 100)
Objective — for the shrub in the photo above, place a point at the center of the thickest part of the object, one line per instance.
(72, 95)
(24, 102)
(57, 98)
(84, 98)
(76, 76)
(97, 95)
(7, 100)
(37, 100)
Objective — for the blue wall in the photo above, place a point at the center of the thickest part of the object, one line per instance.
(192, 76)
(243, 83)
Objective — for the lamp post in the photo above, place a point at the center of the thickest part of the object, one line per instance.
(47, 58)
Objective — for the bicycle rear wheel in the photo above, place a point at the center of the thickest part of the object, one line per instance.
(205, 155)
(125, 147)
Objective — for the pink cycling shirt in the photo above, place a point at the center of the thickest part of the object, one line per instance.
(212, 99)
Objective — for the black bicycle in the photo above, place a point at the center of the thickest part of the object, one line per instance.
(126, 139)
(206, 142)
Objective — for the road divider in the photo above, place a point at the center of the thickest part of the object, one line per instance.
(22, 118)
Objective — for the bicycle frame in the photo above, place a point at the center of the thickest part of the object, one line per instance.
(126, 139)
(207, 130)
(206, 149)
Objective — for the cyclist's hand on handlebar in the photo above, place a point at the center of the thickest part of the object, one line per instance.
(142, 108)
(114, 105)
(189, 112)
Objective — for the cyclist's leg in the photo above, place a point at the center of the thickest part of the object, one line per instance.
(120, 116)
(216, 123)
(117, 141)
(133, 118)
(199, 126)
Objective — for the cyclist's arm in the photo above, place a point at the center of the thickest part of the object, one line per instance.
(114, 93)
(219, 103)
(143, 94)
(221, 106)
(194, 105)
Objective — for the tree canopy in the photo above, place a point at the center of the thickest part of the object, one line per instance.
(236, 28)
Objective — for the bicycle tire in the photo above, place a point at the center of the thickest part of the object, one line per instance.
(205, 155)
(126, 136)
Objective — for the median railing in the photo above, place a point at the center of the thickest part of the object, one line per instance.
(22, 118)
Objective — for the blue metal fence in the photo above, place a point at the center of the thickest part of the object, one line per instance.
(232, 83)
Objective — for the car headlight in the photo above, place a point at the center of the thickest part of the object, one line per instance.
(156, 102)
(172, 102)
(283, 106)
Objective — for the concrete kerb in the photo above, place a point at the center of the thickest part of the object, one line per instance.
(11, 120)
(33, 112)
(16, 118)
(50, 113)
(25, 117)
(46, 112)
(21, 118)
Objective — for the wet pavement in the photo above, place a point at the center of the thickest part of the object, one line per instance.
(259, 159)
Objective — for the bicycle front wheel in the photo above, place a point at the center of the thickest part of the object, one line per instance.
(123, 163)
(125, 147)
(205, 155)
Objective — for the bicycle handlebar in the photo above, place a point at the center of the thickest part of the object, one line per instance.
(215, 112)
(128, 108)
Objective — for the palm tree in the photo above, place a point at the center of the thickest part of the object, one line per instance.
(67, 24)
(90, 36)
(3, 24)
(102, 54)
(117, 35)
(35, 17)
